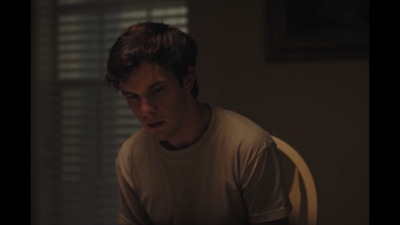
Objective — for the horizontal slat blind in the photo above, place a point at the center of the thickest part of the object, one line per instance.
(84, 121)
(88, 125)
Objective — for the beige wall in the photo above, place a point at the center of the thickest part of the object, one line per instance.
(320, 108)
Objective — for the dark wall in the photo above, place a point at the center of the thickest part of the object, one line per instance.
(319, 107)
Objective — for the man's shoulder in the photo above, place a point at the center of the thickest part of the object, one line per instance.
(131, 145)
(242, 139)
(237, 122)
(239, 128)
(135, 139)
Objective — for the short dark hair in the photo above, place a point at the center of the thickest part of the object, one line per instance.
(156, 43)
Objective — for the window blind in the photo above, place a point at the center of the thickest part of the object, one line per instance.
(79, 122)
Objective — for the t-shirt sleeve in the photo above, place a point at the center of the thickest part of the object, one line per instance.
(264, 191)
(130, 211)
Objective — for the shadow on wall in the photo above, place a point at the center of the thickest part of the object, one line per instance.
(319, 106)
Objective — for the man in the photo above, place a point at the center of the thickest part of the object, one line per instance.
(191, 163)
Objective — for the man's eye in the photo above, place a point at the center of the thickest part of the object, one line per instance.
(159, 89)
(132, 96)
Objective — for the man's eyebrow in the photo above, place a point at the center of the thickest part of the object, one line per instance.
(148, 88)
(126, 92)
(157, 83)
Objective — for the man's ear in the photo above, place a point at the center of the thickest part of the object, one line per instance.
(189, 79)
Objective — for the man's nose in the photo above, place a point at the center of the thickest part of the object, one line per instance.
(147, 106)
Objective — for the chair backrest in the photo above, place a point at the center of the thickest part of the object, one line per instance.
(295, 190)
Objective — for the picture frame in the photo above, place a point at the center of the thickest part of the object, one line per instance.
(316, 30)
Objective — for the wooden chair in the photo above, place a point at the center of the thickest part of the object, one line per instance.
(300, 167)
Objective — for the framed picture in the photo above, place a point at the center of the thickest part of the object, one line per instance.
(317, 29)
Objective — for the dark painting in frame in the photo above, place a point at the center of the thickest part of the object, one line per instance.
(317, 29)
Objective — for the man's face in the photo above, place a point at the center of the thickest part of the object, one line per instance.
(157, 99)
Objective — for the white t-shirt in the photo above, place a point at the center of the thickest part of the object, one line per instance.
(231, 175)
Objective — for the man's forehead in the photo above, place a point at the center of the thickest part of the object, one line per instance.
(131, 90)
(146, 76)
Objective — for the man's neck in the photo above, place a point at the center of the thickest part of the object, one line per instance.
(193, 127)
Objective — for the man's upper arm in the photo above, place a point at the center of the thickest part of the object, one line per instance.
(130, 208)
(265, 193)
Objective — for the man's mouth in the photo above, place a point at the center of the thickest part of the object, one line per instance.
(155, 125)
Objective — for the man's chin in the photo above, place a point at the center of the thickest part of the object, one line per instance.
(158, 135)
